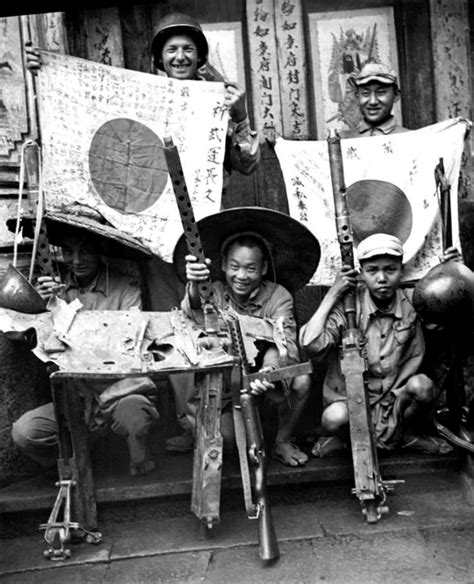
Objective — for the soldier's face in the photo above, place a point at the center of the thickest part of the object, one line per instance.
(382, 275)
(82, 257)
(180, 57)
(376, 101)
(244, 268)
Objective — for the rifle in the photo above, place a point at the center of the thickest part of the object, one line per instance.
(369, 487)
(250, 439)
(207, 460)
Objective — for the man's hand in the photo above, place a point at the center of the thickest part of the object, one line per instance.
(32, 58)
(346, 280)
(451, 254)
(258, 387)
(46, 286)
(196, 271)
(235, 100)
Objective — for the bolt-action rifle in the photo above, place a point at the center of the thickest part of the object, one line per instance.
(207, 462)
(250, 439)
(369, 486)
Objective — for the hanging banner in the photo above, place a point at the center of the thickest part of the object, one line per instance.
(102, 132)
(391, 188)
(278, 67)
(264, 65)
(292, 67)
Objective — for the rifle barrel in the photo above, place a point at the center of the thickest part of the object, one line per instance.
(343, 223)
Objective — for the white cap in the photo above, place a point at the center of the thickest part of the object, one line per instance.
(379, 244)
(376, 72)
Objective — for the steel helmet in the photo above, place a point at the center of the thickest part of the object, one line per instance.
(178, 23)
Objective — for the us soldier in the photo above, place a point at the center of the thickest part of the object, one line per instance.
(180, 50)
(377, 91)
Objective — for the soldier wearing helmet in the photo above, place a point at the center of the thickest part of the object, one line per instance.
(180, 49)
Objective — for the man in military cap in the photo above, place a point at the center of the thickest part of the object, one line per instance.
(255, 256)
(377, 91)
(88, 278)
(399, 393)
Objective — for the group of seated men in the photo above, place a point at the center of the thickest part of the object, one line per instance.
(250, 283)
(399, 390)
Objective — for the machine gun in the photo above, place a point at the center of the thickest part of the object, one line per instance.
(369, 487)
(207, 461)
(250, 439)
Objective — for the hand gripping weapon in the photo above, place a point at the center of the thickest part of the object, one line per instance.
(207, 462)
(369, 486)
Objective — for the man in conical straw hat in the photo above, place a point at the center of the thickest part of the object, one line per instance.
(84, 242)
(256, 259)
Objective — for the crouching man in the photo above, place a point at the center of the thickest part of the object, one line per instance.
(250, 251)
(399, 394)
(97, 287)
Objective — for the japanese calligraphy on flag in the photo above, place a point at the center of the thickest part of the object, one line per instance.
(391, 187)
(102, 131)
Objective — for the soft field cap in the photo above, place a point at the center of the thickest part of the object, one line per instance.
(376, 72)
(379, 244)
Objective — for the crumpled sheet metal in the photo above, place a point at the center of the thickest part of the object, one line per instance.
(109, 341)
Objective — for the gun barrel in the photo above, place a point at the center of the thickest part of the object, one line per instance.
(343, 223)
(279, 374)
(190, 228)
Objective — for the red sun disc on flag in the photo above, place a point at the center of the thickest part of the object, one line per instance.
(127, 165)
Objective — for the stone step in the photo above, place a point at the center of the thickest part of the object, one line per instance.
(172, 478)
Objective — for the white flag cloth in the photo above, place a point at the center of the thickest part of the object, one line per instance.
(102, 131)
(406, 160)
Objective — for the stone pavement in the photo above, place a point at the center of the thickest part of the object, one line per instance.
(427, 536)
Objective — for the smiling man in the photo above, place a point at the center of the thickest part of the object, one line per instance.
(257, 258)
(400, 395)
(377, 91)
(180, 50)
(245, 263)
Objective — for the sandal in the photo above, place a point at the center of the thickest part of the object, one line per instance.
(181, 444)
(427, 444)
(328, 446)
(289, 454)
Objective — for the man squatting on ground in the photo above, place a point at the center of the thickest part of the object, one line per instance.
(245, 263)
(377, 91)
(400, 395)
(180, 50)
(97, 287)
